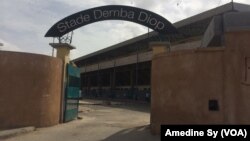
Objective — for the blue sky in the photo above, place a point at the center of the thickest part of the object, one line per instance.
(24, 22)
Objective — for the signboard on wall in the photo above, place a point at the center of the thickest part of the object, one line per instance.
(111, 12)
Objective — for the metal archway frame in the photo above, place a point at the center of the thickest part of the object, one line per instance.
(111, 12)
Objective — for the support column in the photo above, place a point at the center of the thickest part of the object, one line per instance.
(155, 123)
(113, 80)
(63, 51)
(132, 82)
(131, 72)
(89, 85)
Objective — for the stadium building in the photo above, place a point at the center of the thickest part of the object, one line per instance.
(123, 71)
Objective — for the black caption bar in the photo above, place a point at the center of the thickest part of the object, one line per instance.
(205, 132)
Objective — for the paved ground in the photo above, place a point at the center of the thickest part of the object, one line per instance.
(100, 122)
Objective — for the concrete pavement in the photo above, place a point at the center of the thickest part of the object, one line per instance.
(14, 132)
(123, 122)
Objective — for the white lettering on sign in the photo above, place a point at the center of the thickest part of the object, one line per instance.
(98, 14)
(142, 17)
(63, 26)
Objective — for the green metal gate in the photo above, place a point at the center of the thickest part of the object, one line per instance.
(72, 93)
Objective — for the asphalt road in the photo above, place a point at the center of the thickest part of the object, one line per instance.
(100, 122)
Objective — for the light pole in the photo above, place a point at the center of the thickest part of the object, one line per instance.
(232, 4)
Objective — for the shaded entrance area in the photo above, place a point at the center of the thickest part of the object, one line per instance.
(128, 83)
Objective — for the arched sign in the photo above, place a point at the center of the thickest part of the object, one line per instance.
(111, 12)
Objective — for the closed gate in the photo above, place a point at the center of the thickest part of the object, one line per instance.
(72, 93)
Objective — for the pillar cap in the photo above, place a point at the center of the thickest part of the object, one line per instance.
(61, 45)
(159, 44)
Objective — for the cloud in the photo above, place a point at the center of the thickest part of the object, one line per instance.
(6, 46)
(25, 22)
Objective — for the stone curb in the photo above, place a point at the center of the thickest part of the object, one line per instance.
(14, 132)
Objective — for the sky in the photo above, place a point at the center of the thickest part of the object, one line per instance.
(24, 22)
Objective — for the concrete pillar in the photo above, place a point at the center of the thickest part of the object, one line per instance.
(159, 47)
(63, 51)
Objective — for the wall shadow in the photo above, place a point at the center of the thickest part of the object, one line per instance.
(141, 133)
